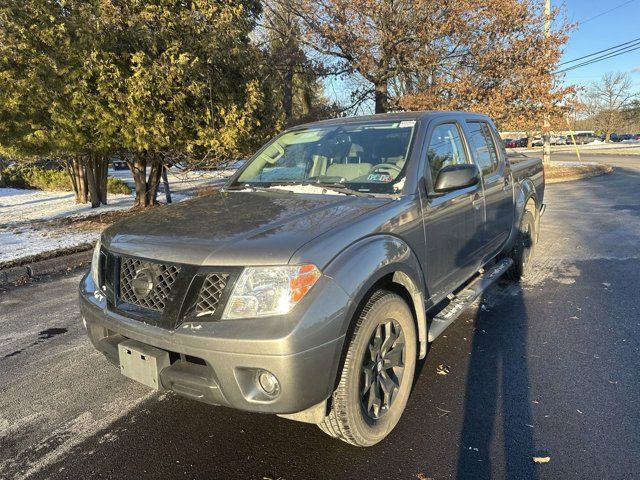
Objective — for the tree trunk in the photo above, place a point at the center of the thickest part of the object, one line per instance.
(146, 189)
(93, 181)
(381, 97)
(165, 183)
(2, 180)
(96, 175)
(153, 182)
(83, 178)
(75, 169)
(138, 169)
(103, 169)
(287, 93)
(607, 137)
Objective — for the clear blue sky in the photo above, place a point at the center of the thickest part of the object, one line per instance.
(609, 29)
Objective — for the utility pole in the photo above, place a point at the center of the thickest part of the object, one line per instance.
(546, 141)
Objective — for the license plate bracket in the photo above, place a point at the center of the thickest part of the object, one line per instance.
(142, 363)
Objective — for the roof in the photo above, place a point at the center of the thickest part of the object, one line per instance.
(395, 116)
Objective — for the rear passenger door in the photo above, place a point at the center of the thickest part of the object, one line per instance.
(497, 182)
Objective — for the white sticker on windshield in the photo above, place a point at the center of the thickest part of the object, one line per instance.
(407, 123)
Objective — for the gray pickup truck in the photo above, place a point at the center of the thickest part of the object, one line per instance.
(311, 284)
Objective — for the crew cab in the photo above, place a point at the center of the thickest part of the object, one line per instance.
(311, 284)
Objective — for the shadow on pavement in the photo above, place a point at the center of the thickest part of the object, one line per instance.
(497, 392)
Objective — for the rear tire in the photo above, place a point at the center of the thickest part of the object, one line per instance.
(377, 375)
(524, 247)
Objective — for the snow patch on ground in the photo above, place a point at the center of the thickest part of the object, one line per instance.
(20, 208)
(185, 182)
(28, 242)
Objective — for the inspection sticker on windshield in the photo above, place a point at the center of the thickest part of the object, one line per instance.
(407, 123)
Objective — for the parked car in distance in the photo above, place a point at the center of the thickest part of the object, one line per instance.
(312, 283)
(519, 143)
(585, 138)
(553, 140)
(119, 164)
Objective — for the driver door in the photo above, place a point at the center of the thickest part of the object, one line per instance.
(453, 220)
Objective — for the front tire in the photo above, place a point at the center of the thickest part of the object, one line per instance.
(377, 375)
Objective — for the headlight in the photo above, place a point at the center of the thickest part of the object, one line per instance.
(95, 265)
(263, 291)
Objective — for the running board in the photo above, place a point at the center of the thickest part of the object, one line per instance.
(466, 297)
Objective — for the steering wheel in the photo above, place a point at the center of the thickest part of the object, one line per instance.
(387, 167)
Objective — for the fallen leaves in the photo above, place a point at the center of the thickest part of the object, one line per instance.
(541, 459)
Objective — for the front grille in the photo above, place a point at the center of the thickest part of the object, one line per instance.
(211, 293)
(146, 284)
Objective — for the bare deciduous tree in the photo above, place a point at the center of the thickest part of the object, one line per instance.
(605, 101)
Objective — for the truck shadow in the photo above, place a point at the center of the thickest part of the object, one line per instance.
(497, 428)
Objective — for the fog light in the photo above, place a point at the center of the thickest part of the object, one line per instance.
(268, 382)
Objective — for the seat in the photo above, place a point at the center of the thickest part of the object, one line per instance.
(391, 150)
(348, 171)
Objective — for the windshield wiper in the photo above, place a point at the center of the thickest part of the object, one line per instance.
(248, 186)
(338, 187)
(334, 186)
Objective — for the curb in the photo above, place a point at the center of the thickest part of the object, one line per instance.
(64, 263)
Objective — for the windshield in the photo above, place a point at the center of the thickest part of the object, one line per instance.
(366, 157)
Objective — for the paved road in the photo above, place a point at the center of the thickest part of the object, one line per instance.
(546, 368)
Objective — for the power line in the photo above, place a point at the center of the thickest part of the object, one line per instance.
(582, 22)
(599, 59)
(600, 51)
(628, 49)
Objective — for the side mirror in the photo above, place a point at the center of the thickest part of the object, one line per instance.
(454, 177)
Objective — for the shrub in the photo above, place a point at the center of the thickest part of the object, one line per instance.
(45, 179)
(36, 178)
(115, 186)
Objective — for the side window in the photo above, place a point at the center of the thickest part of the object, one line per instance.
(499, 144)
(445, 148)
(483, 148)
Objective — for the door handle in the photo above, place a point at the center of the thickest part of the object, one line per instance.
(476, 201)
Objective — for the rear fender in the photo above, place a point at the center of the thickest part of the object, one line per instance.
(361, 265)
(524, 191)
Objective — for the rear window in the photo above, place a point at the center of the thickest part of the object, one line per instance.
(482, 147)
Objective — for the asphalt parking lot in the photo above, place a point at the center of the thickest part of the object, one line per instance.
(546, 368)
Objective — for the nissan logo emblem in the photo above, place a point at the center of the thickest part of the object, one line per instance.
(143, 283)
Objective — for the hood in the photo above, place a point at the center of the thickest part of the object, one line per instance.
(235, 228)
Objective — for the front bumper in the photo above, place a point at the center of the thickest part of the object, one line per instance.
(217, 362)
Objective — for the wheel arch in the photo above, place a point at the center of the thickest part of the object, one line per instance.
(379, 262)
(525, 197)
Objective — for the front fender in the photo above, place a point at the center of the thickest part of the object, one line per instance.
(357, 268)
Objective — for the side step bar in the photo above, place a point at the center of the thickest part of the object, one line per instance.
(466, 297)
